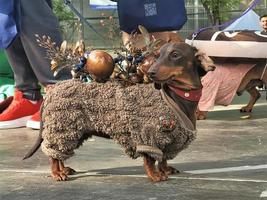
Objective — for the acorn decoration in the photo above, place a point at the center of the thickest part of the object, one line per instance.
(100, 65)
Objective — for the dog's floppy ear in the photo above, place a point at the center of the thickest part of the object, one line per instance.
(201, 71)
(206, 63)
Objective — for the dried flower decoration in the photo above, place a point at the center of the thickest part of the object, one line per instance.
(70, 57)
(131, 63)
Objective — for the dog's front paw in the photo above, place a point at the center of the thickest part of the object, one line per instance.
(68, 171)
(201, 115)
(171, 170)
(59, 176)
(158, 176)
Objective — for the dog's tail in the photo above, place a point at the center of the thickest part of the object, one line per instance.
(37, 143)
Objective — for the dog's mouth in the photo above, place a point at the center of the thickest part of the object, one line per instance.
(177, 80)
(180, 84)
(166, 80)
(183, 85)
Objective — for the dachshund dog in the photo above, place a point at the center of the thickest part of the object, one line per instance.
(146, 122)
(233, 50)
(185, 78)
(255, 77)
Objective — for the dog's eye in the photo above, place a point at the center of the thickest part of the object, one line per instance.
(176, 55)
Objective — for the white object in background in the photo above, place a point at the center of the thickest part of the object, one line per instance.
(103, 4)
(242, 49)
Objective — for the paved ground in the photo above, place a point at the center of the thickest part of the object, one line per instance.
(227, 161)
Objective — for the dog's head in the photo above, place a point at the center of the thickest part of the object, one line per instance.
(180, 65)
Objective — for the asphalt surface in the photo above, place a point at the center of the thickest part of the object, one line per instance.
(228, 161)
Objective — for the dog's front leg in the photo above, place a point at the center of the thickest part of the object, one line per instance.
(201, 115)
(66, 170)
(55, 170)
(152, 173)
(168, 170)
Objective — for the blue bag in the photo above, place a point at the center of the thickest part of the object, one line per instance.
(154, 15)
(9, 21)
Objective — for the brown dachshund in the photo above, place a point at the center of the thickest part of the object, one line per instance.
(221, 46)
(177, 66)
(255, 77)
(176, 72)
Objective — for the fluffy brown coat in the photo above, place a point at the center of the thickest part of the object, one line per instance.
(133, 116)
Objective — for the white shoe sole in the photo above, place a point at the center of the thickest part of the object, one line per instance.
(33, 124)
(17, 123)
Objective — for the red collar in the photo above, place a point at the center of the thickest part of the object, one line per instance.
(192, 95)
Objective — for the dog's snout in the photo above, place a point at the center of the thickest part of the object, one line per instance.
(151, 74)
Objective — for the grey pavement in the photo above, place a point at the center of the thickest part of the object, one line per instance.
(227, 161)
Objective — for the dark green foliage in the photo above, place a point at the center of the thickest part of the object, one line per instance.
(216, 9)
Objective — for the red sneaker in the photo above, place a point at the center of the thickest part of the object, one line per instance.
(18, 112)
(34, 121)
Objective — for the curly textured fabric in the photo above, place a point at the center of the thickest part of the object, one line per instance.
(73, 111)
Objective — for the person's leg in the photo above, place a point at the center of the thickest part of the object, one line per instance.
(27, 96)
(38, 18)
(27, 58)
(50, 4)
(29, 63)
(25, 79)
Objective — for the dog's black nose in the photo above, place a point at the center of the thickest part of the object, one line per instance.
(151, 74)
